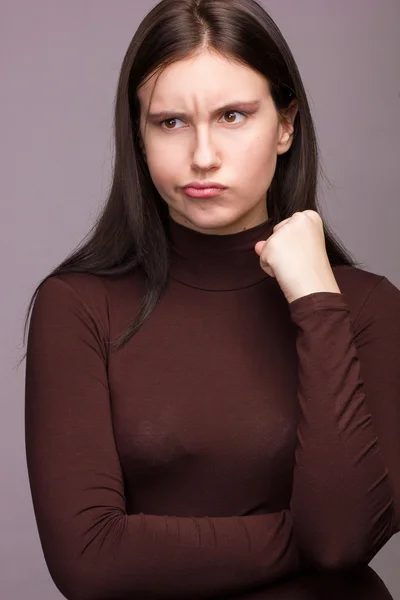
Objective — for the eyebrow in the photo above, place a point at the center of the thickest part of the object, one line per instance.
(239, 105)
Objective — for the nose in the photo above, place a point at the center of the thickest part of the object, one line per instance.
(205, 155)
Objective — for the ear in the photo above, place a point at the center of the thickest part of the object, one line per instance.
(286, 128)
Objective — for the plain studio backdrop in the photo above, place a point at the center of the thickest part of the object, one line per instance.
(60, 62)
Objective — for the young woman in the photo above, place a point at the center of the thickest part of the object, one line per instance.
(212, 384)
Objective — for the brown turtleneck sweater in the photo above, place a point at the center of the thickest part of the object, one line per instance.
(235, 441)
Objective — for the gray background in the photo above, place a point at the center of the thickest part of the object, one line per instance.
(59, 66)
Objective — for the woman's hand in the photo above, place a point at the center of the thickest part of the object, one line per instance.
(295, 254)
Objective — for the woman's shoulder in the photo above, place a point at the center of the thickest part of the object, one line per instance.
(367, 292)
(98, 295)
(94, 286)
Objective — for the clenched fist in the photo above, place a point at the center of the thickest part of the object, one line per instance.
(295, 254)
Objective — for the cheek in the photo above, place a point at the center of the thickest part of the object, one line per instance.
(160, 169)
(165, 165)
(257, 159)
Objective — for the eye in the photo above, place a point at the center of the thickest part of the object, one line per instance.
(172, 120)
(233, 112)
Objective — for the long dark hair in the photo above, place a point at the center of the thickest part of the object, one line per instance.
(131, 230)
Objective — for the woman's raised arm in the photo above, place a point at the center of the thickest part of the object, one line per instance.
(346, 491)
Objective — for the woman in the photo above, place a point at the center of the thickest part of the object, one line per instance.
(212, 384)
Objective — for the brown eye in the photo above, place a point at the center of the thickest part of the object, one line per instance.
(232, 113)
(172, 121)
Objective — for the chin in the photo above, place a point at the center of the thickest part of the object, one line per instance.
(209, 221)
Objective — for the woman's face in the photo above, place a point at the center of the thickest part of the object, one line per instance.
(236, 146)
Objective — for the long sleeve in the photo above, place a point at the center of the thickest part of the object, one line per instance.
(346, 488)
(92, 547)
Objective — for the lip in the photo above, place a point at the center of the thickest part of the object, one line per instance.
(201, 185)
(193, 192)
(203, 189)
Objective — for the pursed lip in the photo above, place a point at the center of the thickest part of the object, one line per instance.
(202, 185)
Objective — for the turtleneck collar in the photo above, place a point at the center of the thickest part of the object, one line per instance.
(216, 262)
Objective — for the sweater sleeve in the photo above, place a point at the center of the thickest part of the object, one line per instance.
(346, 487)
(92, 547)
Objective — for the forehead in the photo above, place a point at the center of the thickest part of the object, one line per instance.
(206, 77)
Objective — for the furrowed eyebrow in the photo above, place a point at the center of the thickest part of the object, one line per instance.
(240, 105)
